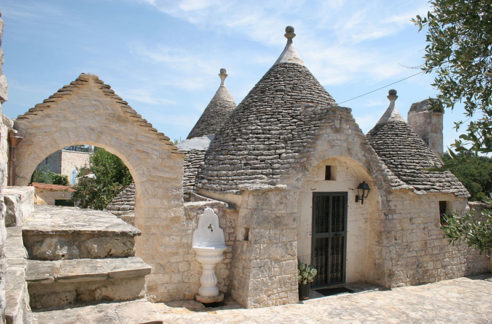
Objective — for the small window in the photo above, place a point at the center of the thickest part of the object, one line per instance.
(246, 234)
(443, 206)
(328, 172)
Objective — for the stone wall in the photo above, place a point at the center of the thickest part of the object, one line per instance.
(427, 124)
(415, 249)
(105, 120)
(264, 267)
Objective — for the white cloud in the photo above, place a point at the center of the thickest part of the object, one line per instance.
(144, 95)
(330, 32)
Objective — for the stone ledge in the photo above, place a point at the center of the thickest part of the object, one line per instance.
(51, 219)
(19, 202)
(85, 270)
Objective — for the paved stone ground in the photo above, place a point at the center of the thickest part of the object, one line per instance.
(462, 300)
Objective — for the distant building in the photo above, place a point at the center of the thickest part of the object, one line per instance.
(67, 161)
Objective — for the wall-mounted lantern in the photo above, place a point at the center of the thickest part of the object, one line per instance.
(362, 192)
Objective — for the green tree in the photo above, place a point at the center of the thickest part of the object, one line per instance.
(474, 172)
(99, 183)
(45, 176)
(474, 228)
(459, 52)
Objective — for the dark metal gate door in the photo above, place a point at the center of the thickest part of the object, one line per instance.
(329, 238)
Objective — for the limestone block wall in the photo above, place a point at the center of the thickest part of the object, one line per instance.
(428, 125)
(227, 221)
(104, 119)
(264, 267)
(415, 249)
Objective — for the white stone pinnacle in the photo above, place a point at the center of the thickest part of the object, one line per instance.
(391, 114)
(289, 55)
(222, 76)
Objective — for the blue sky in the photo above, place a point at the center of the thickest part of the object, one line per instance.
(163, 57)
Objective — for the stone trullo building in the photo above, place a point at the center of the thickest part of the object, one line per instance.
(288, 172)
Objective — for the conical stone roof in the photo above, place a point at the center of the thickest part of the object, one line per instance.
(407, 155)
(123, 205)
(217, 111)
(269, 130)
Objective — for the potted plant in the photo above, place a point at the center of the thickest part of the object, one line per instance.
(305, 275)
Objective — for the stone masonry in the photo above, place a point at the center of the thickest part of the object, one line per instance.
(427, 124)
(154, 162)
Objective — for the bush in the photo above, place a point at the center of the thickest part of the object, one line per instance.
(98, 184)
(45, 176)
(474, 228)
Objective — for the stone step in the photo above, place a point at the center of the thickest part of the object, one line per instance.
(61, 283)
(64, 233)
(17, 308)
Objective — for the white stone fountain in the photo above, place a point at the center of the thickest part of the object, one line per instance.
(209, 246)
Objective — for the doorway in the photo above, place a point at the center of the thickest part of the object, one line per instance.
(329, 238)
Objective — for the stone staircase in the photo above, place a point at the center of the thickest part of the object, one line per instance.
(79, 257)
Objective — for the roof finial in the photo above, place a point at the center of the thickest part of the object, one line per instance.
(392, 95)
(223, 76)
(289, 33)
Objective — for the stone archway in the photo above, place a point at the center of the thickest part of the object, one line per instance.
(88, 112)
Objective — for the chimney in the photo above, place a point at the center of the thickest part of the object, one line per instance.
(427, 124)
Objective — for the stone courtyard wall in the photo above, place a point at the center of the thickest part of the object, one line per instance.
(105, 120)
(416, 250)
(264, 267)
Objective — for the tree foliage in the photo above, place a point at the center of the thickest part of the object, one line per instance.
(459, 52)
(474, 172)
(474, 228)
(101, 181)
(45, 176)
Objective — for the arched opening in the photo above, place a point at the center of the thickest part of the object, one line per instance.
(85, 176)
(88, 112)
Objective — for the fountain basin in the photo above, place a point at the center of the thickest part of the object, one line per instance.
(209, 247)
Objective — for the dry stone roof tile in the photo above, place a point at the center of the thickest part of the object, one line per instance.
(267, 134)
(217, 111)
(124, 202)
(408, 157)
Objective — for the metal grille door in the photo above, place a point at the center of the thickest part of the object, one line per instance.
(329, 238)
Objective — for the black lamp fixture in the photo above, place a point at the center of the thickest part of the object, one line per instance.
(362, 192)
